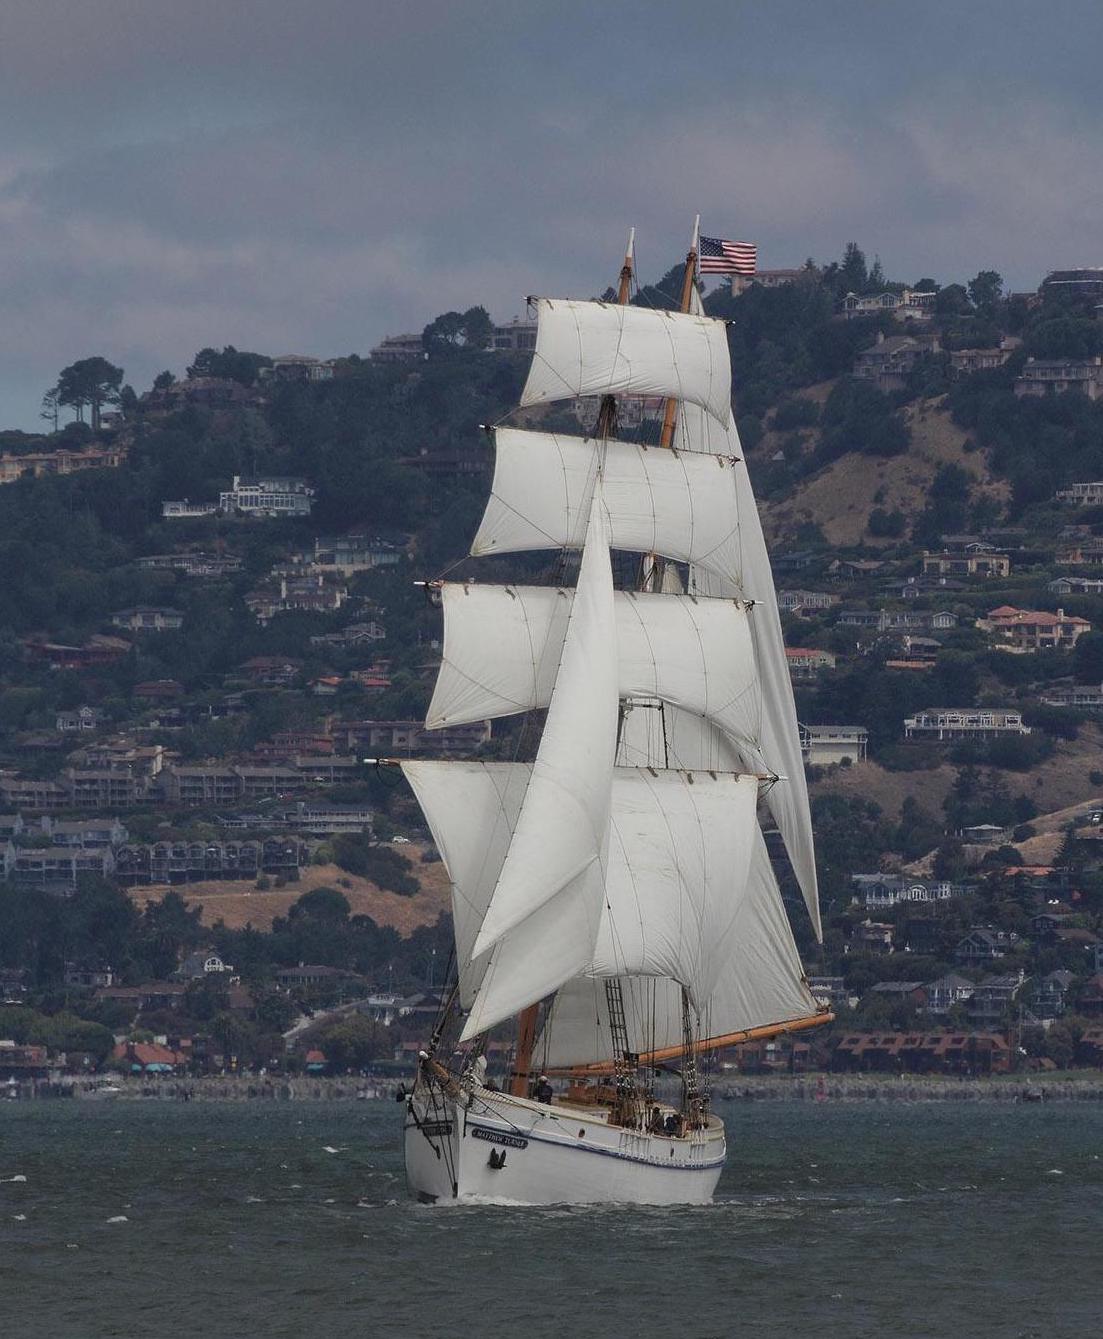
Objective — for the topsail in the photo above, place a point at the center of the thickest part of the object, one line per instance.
(598, 348)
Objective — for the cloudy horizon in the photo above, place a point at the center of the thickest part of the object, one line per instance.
(289, 180)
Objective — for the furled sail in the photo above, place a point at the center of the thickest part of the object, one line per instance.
(679, 505)
(502, 646)
(599, 348)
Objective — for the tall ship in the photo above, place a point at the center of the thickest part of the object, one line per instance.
(614, 896)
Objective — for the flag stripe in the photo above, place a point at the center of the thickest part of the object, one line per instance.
(716, 255)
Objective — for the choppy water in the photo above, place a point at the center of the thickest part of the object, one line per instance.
(234, 1221)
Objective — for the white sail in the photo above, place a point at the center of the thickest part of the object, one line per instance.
(674, 885)
(762, 983)
(598, 348)
(657, 734)
(502, 646)
(536, 957)
(681, 505)
(788, 799)
(572, 870)
(680, 848)
(562, 830)
(472, 810)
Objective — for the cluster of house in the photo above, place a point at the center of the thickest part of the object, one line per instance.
(315, 581)
(192, 563)
(889, 362)
(518, 336)
(176, 1051)
(988, 1002)
(36, 464)
(120, 773)
(263, 495)
(55, 854)
(965, 1053)
(912, 636)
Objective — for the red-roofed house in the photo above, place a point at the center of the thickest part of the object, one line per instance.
(1034, 629)
(147, 1057)
(806, 661)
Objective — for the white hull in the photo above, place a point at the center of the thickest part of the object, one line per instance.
(493, 1146)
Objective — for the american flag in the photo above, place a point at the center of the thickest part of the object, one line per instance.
(716, 256)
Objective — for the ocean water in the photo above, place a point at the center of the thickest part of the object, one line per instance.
(228, 1221)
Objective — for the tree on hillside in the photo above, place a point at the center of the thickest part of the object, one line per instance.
(986, 290)
(947, 509)
(1087, 657)
(352, 1043)
(231, 364)
(1065, 337)
(858, 417)
(952, 300)
(454, 332)
(168, 929)
(853, 272)
(89, 383)
(163, 380)
(324, 904)
(50, 408)
(666, 295)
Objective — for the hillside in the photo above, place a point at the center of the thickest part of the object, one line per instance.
(1059, 783)
(839, 497)
(238, 904)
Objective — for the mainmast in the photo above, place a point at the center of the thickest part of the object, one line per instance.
(692, 1103)
(606, 427)
(689, 278)
(651, 567)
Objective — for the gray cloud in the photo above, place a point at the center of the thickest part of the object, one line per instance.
(286, 177)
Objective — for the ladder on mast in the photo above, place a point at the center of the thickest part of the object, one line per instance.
(625, 1061)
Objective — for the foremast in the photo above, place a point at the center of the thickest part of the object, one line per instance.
(521, 1076)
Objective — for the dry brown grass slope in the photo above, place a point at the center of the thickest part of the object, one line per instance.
(1057, 784)
(840, 497)
(239, 904)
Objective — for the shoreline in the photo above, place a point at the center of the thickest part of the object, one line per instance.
(1086, 1086)
(1078, 1087)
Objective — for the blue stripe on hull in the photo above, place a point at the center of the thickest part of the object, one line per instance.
(583, 1147)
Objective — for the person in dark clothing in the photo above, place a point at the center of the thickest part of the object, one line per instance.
(543, 1092)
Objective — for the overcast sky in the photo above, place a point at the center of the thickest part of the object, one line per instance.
(307, 177)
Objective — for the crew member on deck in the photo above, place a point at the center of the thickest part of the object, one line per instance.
(543, 1092)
